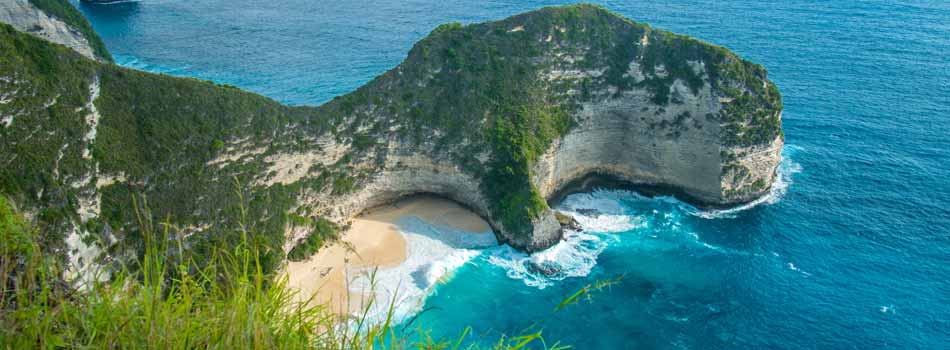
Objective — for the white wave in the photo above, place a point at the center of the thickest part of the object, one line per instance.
(607, 223)
(575, 256)
(792, 267)
(599, 213)
(601, 210)
(699, 241)
(786, 169)
(434, 253)
(601, 201)
(134, 62)
(610, 216)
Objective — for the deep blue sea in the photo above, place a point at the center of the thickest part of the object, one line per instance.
(851, 250)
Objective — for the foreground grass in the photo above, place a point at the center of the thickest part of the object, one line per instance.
(229, 303)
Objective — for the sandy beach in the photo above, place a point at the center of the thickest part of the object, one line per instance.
(373, 241)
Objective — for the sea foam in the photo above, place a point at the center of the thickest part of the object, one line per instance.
(433, 254)
(599, 214)
(783, 179)
(575, 256)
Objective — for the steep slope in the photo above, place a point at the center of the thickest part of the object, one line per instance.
(56, 21)
(499, 116)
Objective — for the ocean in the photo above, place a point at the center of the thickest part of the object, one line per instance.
(851, 250)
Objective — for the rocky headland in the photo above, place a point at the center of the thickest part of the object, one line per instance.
(57, 22)
(500, 117)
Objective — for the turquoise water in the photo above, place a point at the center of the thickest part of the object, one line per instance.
(853, 254)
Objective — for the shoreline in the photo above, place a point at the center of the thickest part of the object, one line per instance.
(373, 242)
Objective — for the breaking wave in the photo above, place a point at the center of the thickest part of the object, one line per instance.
(604, 216)
(575, 256)
(783, 179)
(433, 254)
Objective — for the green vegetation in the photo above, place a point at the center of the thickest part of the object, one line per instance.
(476, 95)
(752, 119)
(483, 87)
(157, 131)
(15, 240)
(32, 147)
(228, 303)
(65, 11)
(322, 231)
(464, 92)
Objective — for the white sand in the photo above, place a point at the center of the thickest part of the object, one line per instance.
(373, 241)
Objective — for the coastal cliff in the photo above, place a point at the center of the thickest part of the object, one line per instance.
(56, 21)
(498, 116)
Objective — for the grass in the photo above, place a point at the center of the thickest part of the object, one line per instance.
(463, 92)
(170, 302)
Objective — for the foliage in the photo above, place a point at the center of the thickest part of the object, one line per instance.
(171, 303)
(473, 95)
(65, 11)
(463, 92)
(14, 232)
(46, 87)
(322, 231)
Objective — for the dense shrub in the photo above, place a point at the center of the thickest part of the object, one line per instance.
(322, 231)
(166, 302)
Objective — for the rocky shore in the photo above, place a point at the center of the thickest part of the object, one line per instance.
(501, 117)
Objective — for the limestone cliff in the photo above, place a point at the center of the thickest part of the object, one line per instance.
(499, 116)
(55, 21)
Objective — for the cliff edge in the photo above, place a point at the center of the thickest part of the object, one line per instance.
(56, 21)
(499, 116)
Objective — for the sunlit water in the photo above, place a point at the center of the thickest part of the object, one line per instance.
(851, 251)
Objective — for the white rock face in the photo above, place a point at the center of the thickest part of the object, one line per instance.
(22, 15)
(409, 171)
(92, 119)
(405, 172)
(628, 137)
(619, 131)
(83, 249)
(757, 163)
(631, 138)
(678, 146)
(625, 136)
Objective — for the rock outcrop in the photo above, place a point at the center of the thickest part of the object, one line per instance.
(27, 17)
(501, 117)
(711, 135)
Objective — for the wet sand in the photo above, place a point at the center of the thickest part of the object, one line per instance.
(373, 241)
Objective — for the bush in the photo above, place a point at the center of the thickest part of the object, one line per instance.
(14, 233)
(169, 303)
(322, 232)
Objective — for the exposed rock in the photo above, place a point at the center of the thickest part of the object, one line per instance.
(567, 221)
(24, 16)
(500, 117)
(543, 268)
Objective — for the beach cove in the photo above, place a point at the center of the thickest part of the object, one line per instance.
(387, 246)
